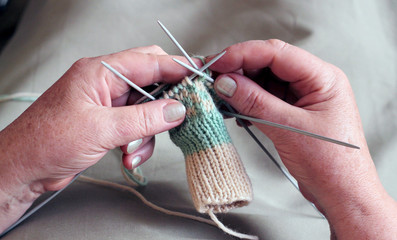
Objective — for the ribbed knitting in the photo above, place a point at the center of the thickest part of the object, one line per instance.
(216, 176)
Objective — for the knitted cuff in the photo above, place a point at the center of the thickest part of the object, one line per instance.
(216, 176)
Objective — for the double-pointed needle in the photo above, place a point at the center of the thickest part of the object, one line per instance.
(277, 125)
(129, 82)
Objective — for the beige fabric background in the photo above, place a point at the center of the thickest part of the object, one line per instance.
(358, 36)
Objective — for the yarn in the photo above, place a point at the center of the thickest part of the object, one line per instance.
(118, 186)
(228, 230)
(216, 176)
(134, 177)
(213, 222)
(22, 96)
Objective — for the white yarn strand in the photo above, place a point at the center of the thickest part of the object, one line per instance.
(144, 200)
(21, 96)
(230, 231)
(215, 222)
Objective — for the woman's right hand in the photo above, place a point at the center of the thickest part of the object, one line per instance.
(340, 181)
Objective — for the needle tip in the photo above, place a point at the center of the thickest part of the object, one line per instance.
(161, 25)
(105, 64)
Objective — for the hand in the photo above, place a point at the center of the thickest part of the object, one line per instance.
(82, 116)
(317, 97)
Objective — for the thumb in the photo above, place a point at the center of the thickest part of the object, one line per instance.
(134, 122)
(248, 98)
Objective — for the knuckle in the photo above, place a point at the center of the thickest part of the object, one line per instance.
(332, 73)
(142, 125)
(156, 49)
(78, 71)
(253, 104)
(277, 43)
(81, 63)
(336, 71)
(147, 120)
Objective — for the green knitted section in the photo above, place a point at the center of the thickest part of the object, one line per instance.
(203, 127)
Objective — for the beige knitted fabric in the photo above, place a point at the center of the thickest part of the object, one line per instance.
(216, 176)
(217, 179)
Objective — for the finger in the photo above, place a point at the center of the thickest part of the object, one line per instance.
(142, 69)
(128, 97)
(248, 98)
(147, 68)
(154, 49)
(138, 66)
(124, 124)
(140, 156)
(287, 62)
(133, 146)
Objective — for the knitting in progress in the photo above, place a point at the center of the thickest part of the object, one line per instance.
(216, 176)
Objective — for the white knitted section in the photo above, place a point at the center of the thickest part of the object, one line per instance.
(217, 179)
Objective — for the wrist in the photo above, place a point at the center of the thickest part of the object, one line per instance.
(18, 188)
(16, 196)
(15, 201)
(357, 206)
(373, 218)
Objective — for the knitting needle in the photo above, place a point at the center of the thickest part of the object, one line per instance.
(177, 44)
(184, 52)
(136, 87)
(277, 125)
(196, 71)
(187, 55)
(208, 64)
(190, 60)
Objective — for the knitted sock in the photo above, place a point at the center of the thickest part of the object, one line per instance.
(216, 176)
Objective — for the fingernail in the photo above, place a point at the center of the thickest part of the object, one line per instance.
(226, 86)
(173, 112)
(135, 161)
(132, 146)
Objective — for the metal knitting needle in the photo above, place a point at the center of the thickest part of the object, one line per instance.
(196, 71)
(177, 44)
(277, 125)
(136, 87)
(208, 64)
(185, 54)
